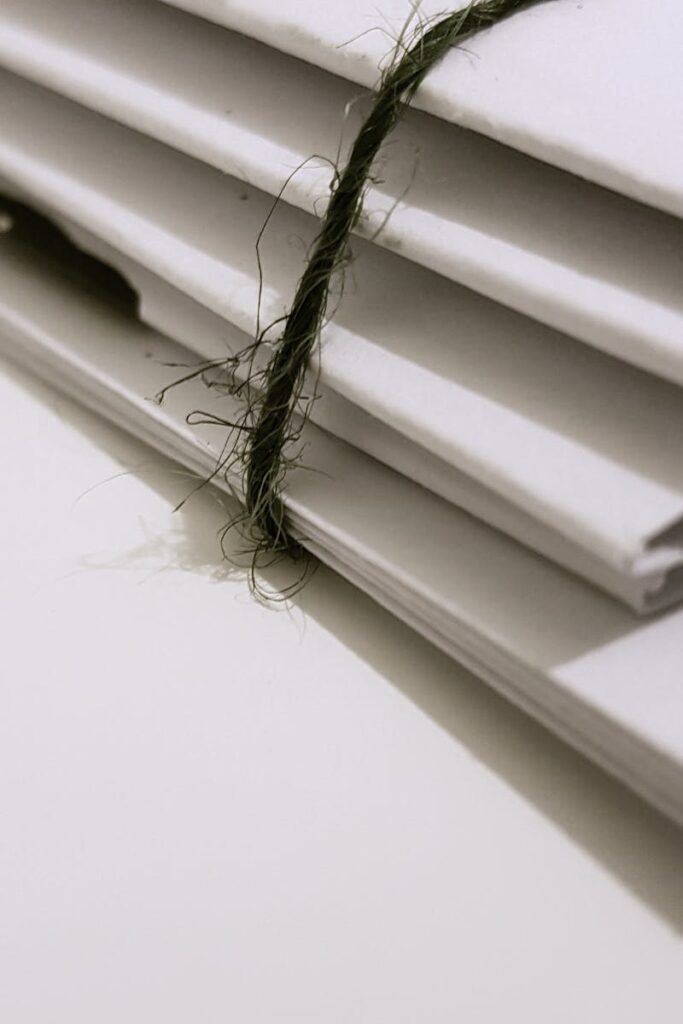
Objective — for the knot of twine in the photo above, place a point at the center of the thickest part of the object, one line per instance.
(273, 410)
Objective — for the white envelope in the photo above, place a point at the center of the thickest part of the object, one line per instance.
(564, 81)
(550, 245)
(560, 436)
(608, 683)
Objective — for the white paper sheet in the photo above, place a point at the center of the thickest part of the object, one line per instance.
(577, 257)
(563, 81)
(652, 582)
(576, 660)
(501, 398)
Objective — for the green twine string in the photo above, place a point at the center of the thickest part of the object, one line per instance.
(273, 411)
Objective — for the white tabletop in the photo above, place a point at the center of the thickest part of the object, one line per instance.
(215, 811)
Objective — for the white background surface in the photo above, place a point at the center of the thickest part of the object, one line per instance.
(214, 811)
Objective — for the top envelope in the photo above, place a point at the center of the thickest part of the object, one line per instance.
(585, 86)
(580, 258)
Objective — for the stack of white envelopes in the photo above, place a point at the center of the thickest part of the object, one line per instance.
(500, 420)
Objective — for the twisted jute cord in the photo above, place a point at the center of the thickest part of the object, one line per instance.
(276, 406)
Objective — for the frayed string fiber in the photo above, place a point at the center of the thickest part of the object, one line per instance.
(274, 410)
(275, 407)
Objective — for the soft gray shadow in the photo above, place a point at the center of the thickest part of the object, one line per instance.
(634, 842)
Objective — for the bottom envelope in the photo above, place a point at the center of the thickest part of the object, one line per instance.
(608, 683)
